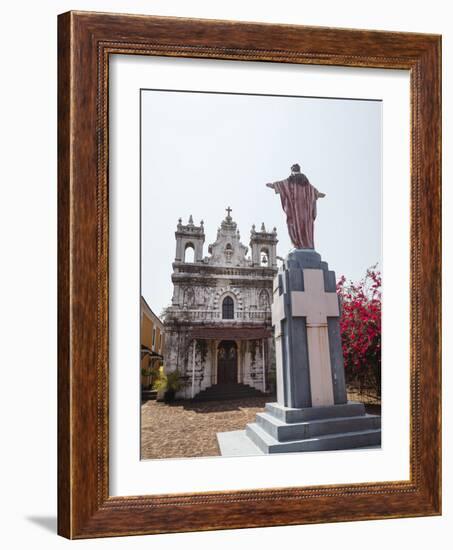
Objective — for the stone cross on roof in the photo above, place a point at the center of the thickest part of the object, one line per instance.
(229, 210)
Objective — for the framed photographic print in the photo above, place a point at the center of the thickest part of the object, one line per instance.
(249, 274)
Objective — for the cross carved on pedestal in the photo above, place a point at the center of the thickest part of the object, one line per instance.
(314, 302)
(316, 305)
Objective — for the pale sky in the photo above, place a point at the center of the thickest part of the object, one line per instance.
(202, 152)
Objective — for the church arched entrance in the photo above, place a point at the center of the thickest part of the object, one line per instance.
(227, 362)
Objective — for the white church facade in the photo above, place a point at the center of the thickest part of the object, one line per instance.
(218, 329)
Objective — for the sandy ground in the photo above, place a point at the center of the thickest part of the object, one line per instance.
(185, 429)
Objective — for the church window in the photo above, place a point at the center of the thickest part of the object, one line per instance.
(228, 308)
(189, 253)
(264, 257)
(228, 252)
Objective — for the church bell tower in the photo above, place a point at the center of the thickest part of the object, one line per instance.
(263, 245)
(189, 236)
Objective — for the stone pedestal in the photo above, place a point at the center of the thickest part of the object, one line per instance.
(312, 412)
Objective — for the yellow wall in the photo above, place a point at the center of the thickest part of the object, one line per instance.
(147, 332)
(149, 323)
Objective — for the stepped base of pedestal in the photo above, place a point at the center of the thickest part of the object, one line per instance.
(284, 430)
(351, 440)
(289, 415)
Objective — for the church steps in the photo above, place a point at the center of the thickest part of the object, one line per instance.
(355, 439)
(313, 428)
(227, 391)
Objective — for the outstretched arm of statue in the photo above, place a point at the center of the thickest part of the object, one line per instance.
(321, 195)
(275, 185)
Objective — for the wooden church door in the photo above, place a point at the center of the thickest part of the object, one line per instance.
(227, 362)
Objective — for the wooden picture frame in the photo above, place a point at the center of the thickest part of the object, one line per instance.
(85, 42)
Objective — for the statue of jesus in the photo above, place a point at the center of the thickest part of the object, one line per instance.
(298, 198)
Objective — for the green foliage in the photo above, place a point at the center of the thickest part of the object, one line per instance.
(169, 382)
(149, 371)
(152, 373)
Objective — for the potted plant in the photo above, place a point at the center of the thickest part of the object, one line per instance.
(169, 384)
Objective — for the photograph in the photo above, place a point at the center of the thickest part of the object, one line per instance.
(261, 274)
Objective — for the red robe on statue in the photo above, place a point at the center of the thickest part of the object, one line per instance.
(298, 198)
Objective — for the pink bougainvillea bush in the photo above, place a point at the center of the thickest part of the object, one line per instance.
(360, 326)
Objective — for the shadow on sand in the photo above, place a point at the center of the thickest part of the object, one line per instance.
(221, 405)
